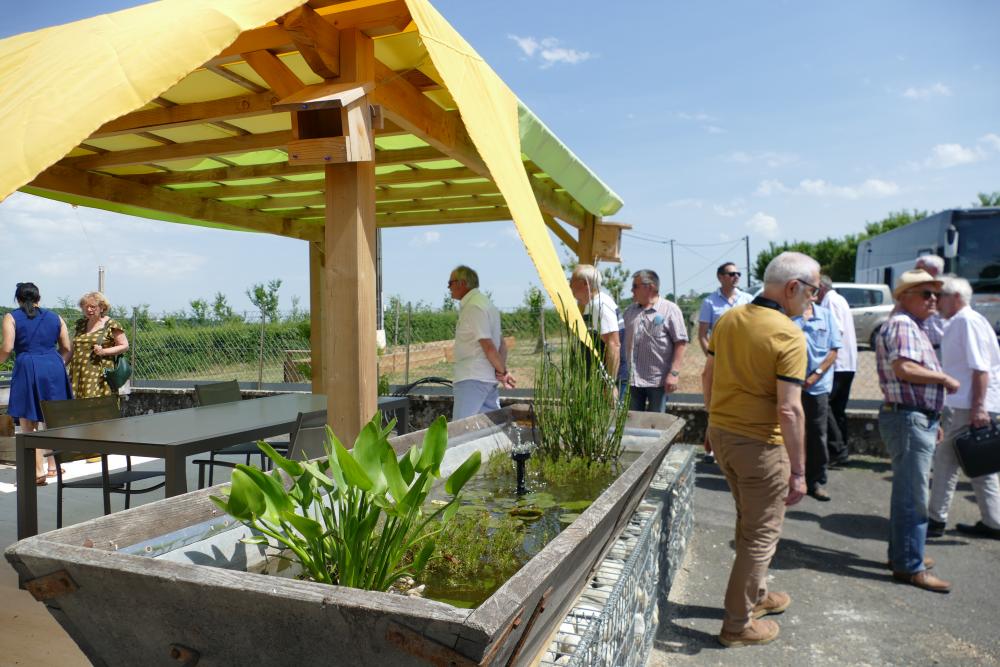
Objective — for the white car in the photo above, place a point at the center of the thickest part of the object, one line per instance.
(870, 306)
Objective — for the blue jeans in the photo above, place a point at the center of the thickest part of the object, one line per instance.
(647, 399)
(473, 397)
(910, 438)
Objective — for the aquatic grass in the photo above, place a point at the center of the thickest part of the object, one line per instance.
(351, 518)
(575, 406)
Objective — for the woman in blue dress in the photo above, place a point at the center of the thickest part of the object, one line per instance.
(39, 370)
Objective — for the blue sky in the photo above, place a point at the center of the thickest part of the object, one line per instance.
(712, 120)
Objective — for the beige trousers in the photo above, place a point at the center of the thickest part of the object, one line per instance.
(758, 479)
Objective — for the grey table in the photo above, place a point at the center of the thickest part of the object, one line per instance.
(171, 436)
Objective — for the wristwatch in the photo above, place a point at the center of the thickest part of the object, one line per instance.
(675, 373)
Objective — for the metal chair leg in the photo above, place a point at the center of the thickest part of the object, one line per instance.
(201, 475)
(211, 468)
(59, 494)
(105, 485)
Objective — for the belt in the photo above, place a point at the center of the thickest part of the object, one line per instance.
(933, 415)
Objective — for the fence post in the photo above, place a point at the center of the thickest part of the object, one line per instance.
(260, 354)
(133, 344)
(409, 335)
(395, 335)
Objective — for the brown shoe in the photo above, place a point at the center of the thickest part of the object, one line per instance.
(758, 632)
(924, 580)
(928, 563)
(773, 603)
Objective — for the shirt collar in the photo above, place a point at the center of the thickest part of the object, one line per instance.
(764, 302)
(468, 295)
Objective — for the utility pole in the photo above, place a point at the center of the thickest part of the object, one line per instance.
(673, 272)
(747, 239)
(100, 279)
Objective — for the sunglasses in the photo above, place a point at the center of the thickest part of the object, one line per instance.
(731, 274)
(927, 294)
(453, 281)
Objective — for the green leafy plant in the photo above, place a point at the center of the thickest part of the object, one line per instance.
(576, 411)
(351, 519)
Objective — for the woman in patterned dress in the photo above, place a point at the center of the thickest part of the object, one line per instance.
(97, 339)
(34, 334)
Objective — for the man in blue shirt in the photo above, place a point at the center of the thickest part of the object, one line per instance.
(719, 301)
(822, 342)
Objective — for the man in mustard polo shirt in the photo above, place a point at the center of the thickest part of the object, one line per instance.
(756, 427)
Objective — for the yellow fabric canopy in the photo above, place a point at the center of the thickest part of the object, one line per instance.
(490, 112)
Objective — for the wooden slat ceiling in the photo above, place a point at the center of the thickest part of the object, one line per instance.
(212, 148)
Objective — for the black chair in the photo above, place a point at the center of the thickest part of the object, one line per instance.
(217, 393)
(88, 411)
(307, 439)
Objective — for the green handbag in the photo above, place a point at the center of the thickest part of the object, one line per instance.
(118, 375)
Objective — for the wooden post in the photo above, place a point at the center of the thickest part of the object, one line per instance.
(349, 368)
(316, 316)
(585, 245)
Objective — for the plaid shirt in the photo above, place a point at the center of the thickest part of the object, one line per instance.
(902, 337)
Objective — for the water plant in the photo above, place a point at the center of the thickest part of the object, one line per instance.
(352, 517)
(575, 407)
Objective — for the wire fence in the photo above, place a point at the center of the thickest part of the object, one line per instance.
(419, 343)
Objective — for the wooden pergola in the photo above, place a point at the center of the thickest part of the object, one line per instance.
(333, 120)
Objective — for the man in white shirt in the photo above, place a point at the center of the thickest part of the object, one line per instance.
(970, 354)
(480, 354)
(604, 320)
(844, 369)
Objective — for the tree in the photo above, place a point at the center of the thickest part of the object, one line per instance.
(534, 300)
(987, 199)
(836, 256)
(266, 298)
(221, 309)
(448, 304)
(199, 310)
(613, 278)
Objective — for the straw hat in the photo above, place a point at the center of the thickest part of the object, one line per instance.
(912, 279)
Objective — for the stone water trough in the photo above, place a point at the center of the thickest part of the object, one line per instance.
(169, 583)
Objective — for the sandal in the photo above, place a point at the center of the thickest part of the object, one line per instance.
(52, 473)
(41, 481)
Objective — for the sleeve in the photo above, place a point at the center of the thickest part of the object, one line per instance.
(609, 319)
(705, 314)
(678, 332)
(977, 354)
(904, 342)
(791, 360)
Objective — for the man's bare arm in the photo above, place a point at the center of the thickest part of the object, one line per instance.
(792, 420)
(703, 336)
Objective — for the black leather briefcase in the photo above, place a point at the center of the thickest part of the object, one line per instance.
(979, 450)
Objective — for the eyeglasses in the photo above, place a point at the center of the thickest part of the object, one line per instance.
(731, 274)
(453, 281)
(814, 288)
(927, 294)
(636, 286)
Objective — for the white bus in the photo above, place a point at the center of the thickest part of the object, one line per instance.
(967, 239)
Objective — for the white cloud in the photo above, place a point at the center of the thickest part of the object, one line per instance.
(944, 156)
(484, 244)
(871, 188)
(763, 224)
(714, 129)
(991, 141)
(768, 158)
(425, 239)
(934, 90)
(549, 51)
(733, 209)
(707, 121)
(512, 233)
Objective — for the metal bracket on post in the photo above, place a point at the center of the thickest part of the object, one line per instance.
(51, 586)
(539, 608)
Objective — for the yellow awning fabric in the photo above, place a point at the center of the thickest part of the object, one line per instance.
(59, 84)
(490, 112)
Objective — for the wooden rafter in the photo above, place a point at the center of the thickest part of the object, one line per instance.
(100, 187)
(435, 196)
(188, 150)
(317, 40)
(560, 232)
(184, 115)
(233, 77)
(443, 217)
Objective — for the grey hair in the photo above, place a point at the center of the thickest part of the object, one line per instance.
(826, 281)
(957, 286)
(932, 261)
(589, 274)
(466, 275)
(647, 277)
(790, 266)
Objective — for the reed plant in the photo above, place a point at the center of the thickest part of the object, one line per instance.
(354, 518)
(576, 410)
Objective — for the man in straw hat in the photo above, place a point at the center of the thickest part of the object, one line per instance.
(914, 387)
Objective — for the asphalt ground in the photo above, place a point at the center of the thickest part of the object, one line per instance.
(846, 608)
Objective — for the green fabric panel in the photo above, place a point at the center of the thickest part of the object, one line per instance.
(543, 148)
(128, 209)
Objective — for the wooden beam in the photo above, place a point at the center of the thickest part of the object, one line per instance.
(184, 115)
(446, 204)
(189, 150)
(317, 40)
(443, 217)
(349, 355)
(277, 169)
(282, 80)
(384, 18)
(316, 290)
(440, 194)
(585, 244)
(561, 233)
(103, 188)
(233, 77)
(324, 95)
(426, 176)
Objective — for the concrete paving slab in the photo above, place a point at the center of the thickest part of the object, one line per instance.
(846, 609)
